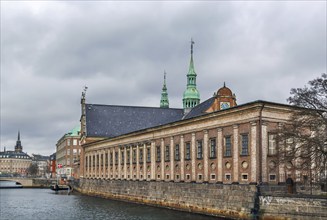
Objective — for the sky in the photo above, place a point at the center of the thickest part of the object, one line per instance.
(51, 49)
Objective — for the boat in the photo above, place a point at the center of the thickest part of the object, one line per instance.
(57, 187)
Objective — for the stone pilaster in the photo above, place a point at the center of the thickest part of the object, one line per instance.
(172, 159)
(144, 161)
(153, 160)
(264, 142)
(205, 156)
(193, 159)
(182, 156)
(254, 156)
(114, 163)
(235, 153)
(220, 154)
(92, 163)
(131, 162)
(125, 162)
(119, 163)
(108, 151)
(138, 161)
(162, 159)
(96, 165)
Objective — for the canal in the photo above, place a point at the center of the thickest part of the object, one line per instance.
(45, 204)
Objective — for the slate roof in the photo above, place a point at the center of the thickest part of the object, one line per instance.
(112, 120)
(200, 108)
(13, 154)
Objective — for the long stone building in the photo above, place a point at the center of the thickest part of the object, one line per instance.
(178, 157)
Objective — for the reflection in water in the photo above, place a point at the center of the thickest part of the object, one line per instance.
(45, 204)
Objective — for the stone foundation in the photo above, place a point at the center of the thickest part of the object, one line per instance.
(231, 201)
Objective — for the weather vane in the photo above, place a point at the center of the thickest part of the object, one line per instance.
(84, 92)
(192, 42)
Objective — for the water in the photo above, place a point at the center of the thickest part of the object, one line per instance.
(44, 204)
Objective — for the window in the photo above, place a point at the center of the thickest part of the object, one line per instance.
(244, 177)
(200, 155)
(228, 177)
(272, 148)
(167, 155)
(98, 160)
(212, 148)
(68, 151)
(158, 154)
(122, 157)
(134, 156)
(245, 144)
(74, 151)
(177, 152)
(272, 177)
(106, 159)
(213, 176)
(116, 158)
(111, 155)
(148, 155)
(68, 142)
(228, 146)
(187, 151)
(141, 155)
(128, 157)
(200, 177)
(74, 141)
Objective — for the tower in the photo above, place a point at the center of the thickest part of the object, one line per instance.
(191, 96)
(164, 103)
(18, 146)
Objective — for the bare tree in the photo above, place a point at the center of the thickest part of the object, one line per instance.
(303, 141)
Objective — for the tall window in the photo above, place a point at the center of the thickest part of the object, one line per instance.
(187, 151)
(158, 154)
(75, 142)
(177, 152)
(106, 158)
(122, 157)
(98, 160)
(167, 155)
(212, 148)
(116, 158)
(128, 157)
(245, 144)
(272, 147)
(228, 146)
(111, 162)
(141, 155)
(134, 155)
(148, 155)
(200, 153)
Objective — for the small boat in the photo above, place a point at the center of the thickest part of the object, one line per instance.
(57, 187)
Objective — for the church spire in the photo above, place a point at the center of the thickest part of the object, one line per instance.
(191, 96)
(18, 146)
(164, 103)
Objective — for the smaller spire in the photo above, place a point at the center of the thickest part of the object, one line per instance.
(164, 102)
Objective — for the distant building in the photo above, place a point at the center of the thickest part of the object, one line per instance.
(43, 164)
(68, 152)
(15, 162)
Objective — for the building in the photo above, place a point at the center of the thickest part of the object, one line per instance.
(68, 152)
(15, 162)
(216, 141)
(53, 165)
(43, 165)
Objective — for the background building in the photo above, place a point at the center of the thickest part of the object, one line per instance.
(68, 151)
(43, 165)
(15, 162)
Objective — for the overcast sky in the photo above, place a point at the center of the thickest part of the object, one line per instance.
(50, 50)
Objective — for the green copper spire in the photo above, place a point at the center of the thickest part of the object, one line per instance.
(164, 103)
(191, 96)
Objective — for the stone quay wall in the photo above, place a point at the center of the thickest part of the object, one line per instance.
(293, 207)
(231, 201)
